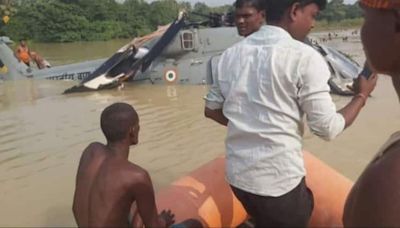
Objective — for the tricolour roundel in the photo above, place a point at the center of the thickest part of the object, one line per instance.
(171, 75)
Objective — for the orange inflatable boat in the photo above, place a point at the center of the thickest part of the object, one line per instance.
(204, 196)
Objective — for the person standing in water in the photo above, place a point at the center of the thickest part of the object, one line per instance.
(107, 184)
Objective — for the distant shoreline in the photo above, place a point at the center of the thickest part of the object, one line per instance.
(338, 25)
(321, 26)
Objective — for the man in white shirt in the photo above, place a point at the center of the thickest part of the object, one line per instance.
(264, 86)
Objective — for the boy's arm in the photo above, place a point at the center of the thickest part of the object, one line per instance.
(144, 195)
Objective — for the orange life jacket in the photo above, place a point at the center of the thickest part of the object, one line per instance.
(23, 55)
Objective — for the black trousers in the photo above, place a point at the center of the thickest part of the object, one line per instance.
(290, 210)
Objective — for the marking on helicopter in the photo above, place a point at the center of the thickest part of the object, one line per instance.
(73, 76)
(171, 75)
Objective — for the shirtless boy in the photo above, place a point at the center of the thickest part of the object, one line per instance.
(107, 183)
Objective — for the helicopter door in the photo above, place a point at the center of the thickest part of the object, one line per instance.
(187, 38)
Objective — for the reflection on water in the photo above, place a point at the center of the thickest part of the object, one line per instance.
(42, 135)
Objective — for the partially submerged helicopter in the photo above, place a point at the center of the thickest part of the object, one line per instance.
(180, 53)
(18, 70)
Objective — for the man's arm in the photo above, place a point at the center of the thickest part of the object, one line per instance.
(362, 86)
(216, 115)
(316, 102)
(215, 100)
(353, 108)
(145, 200)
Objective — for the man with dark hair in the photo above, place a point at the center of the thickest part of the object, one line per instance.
(107, 184)
(249, 16)
(374, 200)
(276, 9)
(264, 87)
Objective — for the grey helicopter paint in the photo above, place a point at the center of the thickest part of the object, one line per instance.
(185, 54)
(18, 70)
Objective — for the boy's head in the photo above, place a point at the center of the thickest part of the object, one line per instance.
(296, 16)
(22, 42)
(249, 16)
(120, 122)
(380, 35)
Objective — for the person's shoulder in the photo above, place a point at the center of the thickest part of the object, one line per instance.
(96, 146)
(137, 174)
(137, 178)
(94, 149)
(309, 55)
(390, 158)
(383, 170)
(234, 48)
(301, 47)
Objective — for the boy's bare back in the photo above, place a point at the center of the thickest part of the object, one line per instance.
(91, 160)
(107, 184)
(104, 192)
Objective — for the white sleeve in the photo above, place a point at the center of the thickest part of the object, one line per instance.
(214, 99)
(315, 99)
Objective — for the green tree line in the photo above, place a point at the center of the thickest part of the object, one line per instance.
(337, 11)
(89, 20)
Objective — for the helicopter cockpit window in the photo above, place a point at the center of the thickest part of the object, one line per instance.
(187, 41)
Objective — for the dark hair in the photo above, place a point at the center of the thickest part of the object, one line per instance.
(258, 4)
(116, 121)
(275, 9)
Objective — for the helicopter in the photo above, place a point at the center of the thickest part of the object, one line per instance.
(180, 53)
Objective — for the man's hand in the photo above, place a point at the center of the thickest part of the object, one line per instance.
(168, 217)
(216, 115)
(365, 86)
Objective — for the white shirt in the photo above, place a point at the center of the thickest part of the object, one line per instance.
(265, 84)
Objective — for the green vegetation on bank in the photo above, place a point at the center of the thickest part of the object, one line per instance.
(89, 20)
(337, 15)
